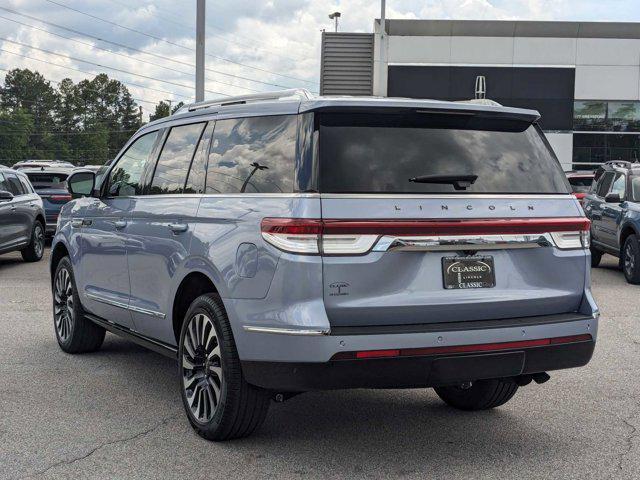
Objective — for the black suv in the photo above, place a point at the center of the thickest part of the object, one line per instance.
(613, 205)
(22, 220)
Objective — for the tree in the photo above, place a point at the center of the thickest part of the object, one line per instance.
(163, 109)
(15, 129)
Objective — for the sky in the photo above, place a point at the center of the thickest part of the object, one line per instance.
(252, 45)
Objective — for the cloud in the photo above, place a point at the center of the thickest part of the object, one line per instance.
(270, 44)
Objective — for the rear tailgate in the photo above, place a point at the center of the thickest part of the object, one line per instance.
(411, 231)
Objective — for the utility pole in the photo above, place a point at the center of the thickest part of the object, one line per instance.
(200, 39)
(170, 102)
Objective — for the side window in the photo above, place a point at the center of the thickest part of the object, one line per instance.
(25, 184)
(604, 184)
(198, 171)
(4, 187)
(124, 179)
(253, 155)
(173, 165)
(14, 184)
(619, 185)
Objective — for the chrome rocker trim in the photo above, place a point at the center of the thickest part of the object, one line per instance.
(115, 303)
(286, 331)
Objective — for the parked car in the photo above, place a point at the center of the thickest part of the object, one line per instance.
(281, 244)
(42, 163)
(51, 184)
(580, 183)
(613, 205)
(22, 220)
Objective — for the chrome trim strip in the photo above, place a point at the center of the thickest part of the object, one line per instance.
(115, 303)
(420, 196)
(285, 331)
(461, 242)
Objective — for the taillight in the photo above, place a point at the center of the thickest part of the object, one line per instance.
(60, 198)
(356, 237)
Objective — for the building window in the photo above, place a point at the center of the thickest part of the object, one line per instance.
(594, 148)
(606, 116)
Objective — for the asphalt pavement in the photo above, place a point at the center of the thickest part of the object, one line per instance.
(117, 413)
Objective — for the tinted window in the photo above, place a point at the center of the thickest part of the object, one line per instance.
(198, 171)
(124, 179)
(380, 153)
(604, 184)
(25, 184)
(619, 185)
(635, 188)
(173, 165)
(48, 180)
(4, 187)
(14, 184)
(254, 155)
(580, 184)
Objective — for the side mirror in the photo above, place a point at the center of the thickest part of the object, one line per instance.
(5, 196)
(81, 184)
(613, 198)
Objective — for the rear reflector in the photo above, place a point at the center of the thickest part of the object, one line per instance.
(355, 237)
(483, 347)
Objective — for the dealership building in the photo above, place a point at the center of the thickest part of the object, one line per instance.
(583, 77)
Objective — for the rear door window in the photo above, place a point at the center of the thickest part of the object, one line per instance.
(4, 186)
(619, 185)
(173, 165)
(366, 153)
(25, 184)
(198, 170)
(253, 155)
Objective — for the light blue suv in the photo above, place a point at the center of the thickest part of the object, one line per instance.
(281, 243)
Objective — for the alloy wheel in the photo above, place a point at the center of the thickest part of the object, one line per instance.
(201, 364)
(38, 240)
(63, 304)
(629, 260)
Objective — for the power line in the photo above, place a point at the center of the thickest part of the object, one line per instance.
(69, 57)
(133, 49)
(160, 39)
(221, 37)
(121, 54)
(92, 73)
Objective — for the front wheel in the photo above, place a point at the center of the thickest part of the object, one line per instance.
(480, 395)
(631, 259)
(74, 332)
(218, 401)
(34, 251)
(596, 256)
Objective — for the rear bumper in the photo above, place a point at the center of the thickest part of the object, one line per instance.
(412, 372)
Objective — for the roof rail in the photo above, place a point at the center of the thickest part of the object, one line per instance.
(620, 164)
(481, 101)
(293, 93)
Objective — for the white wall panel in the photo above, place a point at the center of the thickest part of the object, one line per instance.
(607, 82)
(482, 50)
(544, 51)
(419, 49)
(608, 51)
(562, 144)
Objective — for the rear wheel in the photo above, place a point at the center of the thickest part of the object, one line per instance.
(74, 332)
(219, 403)
(481, 395)
(596, 256)
(630, 259)
(34, 251)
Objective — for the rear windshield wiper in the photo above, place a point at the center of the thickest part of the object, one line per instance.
(459, 182)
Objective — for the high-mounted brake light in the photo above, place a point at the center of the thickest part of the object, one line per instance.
(356, 237)
(60, 197)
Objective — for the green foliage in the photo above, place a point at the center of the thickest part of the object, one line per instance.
(86, 122)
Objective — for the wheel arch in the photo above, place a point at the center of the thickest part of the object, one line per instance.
(627, 229)
(58, 252)
(191, 287)
(40, 218)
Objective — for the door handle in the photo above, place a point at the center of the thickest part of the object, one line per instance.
(76, 222)
(120, 224)
(178, 227)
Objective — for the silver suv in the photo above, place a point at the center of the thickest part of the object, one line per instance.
(285, 243)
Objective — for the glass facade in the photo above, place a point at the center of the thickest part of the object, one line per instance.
(616, 132)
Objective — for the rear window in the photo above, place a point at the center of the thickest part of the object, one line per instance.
(379, 154)
(41, 181)
(580, 184)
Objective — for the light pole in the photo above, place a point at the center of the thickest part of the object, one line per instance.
(200, 39)
(335, 16)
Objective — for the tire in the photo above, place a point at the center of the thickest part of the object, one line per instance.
(34, 251)
(218, 401)
(596, 256)
(75, 334)
(482, 395)
(630, 259)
